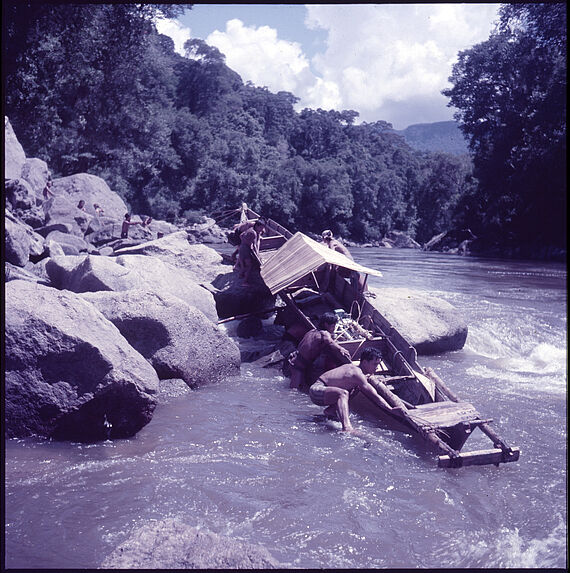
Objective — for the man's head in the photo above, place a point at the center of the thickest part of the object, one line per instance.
(259, 226)
(327, 235)
(370, 359)
(328, 321)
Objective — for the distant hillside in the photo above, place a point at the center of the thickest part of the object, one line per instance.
(440, 136)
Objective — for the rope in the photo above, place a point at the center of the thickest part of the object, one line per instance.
(355, 302)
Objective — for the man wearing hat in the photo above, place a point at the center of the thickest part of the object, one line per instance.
(356, 280)
(335, 245)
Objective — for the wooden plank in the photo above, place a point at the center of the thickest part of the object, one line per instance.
(444, 414)
(479, 458)
(271, 243)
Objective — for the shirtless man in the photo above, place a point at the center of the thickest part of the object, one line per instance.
(311, 346)
(356, 279)
(333, 388)
(126, 224)
(335, 245)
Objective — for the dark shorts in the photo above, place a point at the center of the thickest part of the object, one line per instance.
(300, 363)
(317, 393)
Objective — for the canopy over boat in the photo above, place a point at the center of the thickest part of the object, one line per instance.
(298, 257)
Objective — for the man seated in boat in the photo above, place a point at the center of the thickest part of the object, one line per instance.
(333, 388)
(312, 345)
(248, 257)
(356, 279)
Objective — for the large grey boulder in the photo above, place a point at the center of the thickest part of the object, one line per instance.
(107, 230)
(21, 201)
(202, 262)
(163, 277)
(19, 194)
(63, 211)
(14, 273)
(91, 189)
(70, 374)
(14, 155)
(21, 242)
(206, 232)
(177, 339)
(36, 172)
(172, 544)
(70, 244)
(430, 324)
(102, 230)
(163, 228)
(92, 273)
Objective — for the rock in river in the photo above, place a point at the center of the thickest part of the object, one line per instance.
(70, 374)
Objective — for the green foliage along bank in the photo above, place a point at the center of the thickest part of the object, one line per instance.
(94, 88)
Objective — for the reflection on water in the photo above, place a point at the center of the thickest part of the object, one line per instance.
(252, 459)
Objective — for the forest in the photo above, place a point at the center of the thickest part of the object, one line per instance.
(94, 88)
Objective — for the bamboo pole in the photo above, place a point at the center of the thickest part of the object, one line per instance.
(248, 314)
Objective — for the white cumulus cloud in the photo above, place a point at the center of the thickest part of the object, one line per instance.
(386, 61)
(259, 56)
(175, 30)
(383, 55)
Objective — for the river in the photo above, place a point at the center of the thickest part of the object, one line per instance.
(251, 459)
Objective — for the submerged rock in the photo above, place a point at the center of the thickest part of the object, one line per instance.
(171, 544)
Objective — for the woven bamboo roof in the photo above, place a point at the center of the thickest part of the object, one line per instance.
(298, 257)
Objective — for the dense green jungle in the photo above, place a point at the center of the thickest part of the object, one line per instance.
(94, 88)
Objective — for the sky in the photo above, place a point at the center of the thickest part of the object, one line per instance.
(388, 62)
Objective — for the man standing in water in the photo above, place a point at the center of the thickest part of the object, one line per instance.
(312, 345)
(333, 388)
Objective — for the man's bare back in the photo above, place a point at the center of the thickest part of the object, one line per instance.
(333, 388)
(347, 376)
(314, 342)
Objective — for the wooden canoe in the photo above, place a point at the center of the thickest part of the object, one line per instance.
(420, 402)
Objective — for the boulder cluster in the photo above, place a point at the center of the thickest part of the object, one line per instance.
(95, 323)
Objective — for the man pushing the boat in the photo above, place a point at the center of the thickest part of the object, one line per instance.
(313, 344)
(333, 388)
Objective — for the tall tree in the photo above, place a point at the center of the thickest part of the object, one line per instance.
(511, 95)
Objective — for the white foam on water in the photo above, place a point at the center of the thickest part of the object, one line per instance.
(543, 359)
(516, 382)
(541, 367)
(536, 553)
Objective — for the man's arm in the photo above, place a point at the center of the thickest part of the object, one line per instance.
(335, 349)
(370, 392)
